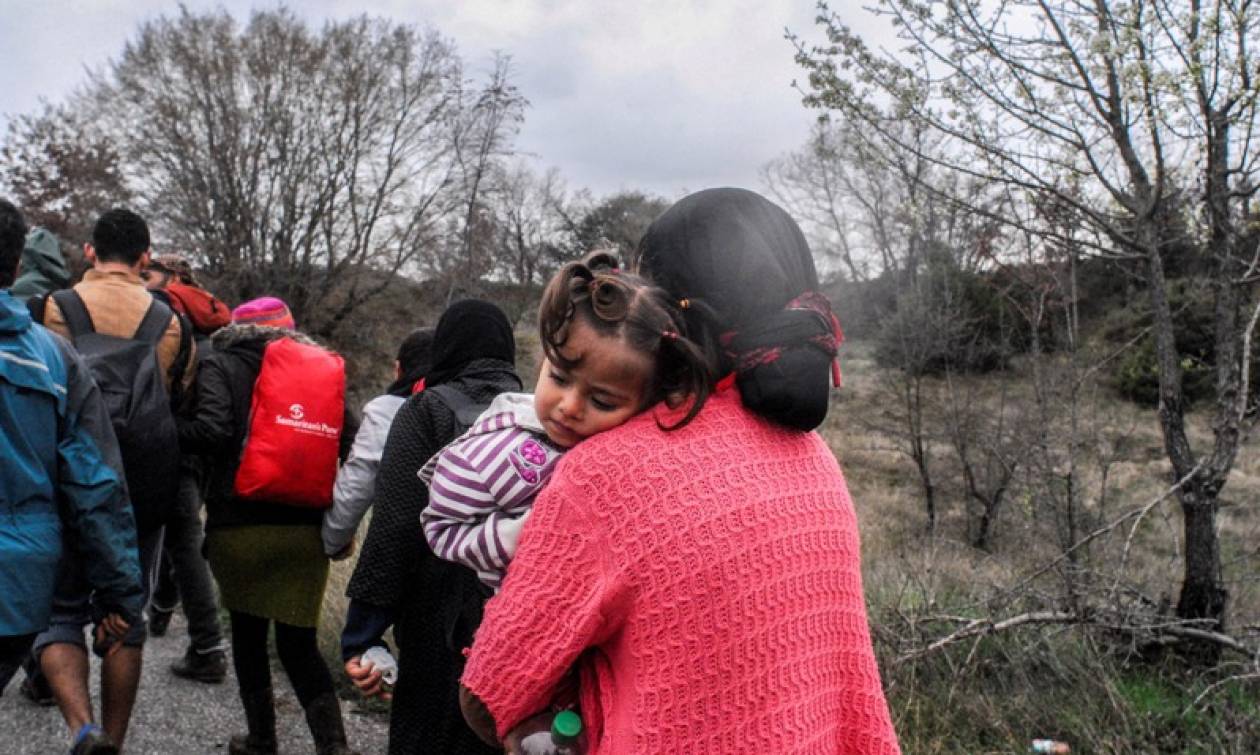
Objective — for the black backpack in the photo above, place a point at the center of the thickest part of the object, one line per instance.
(460, 616)
(465, 410)
(129, 374)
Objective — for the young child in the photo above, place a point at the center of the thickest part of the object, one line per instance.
(614, 346)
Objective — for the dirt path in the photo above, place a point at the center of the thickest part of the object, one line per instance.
(178, 717)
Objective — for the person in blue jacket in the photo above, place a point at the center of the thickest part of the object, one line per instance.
(62, 484)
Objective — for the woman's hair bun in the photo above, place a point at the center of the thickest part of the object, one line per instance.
(783, 366)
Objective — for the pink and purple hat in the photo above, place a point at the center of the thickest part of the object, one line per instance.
(267, 311)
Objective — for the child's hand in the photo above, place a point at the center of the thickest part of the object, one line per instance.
(366, 679)
(345, 552)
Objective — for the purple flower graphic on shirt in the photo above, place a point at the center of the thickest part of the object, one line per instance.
(533, 452)
(527, 457)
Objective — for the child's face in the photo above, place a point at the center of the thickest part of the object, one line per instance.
(606, 387)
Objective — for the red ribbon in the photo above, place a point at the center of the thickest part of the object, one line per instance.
(828, 342)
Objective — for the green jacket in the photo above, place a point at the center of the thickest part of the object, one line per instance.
(43, 267)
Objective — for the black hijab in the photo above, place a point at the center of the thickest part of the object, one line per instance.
(469, 330)
(738, 260)
(415, 359)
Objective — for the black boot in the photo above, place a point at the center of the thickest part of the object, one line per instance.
(210, 667)
(323, 715)
(159, 621)
(260, 717)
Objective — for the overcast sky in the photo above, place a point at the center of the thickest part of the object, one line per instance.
(661, 95)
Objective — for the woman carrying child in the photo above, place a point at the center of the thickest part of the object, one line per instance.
(704, 577)
(433, 605)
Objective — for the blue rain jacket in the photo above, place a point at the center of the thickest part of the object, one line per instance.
(62, 480)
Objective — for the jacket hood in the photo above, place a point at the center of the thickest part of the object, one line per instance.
(13, 315)
(42, 256)
(255, 336)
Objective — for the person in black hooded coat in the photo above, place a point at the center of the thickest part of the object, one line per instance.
(434, 605)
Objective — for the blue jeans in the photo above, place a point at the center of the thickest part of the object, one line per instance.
(73, 608)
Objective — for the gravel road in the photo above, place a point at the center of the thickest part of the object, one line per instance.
(174, 716)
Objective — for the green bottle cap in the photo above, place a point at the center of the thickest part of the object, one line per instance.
(566, 727)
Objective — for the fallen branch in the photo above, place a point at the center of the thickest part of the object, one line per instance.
(1167, 634)
(1217, 685)
(1138, 512)
(1201, 635)
(987, 627)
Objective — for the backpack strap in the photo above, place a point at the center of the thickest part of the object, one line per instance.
(73, 311)
(156, 320)
(466, 410)
(181, 360)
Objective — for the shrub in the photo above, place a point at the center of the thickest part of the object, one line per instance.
(1135, 375)
(951, 320)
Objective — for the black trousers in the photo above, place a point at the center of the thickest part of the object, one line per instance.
(14, 650)
(298, 651)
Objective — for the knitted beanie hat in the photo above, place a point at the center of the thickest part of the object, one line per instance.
(268, 311)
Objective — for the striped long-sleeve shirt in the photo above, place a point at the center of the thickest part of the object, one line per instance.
(482, 485)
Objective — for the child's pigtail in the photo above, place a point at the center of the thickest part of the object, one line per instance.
(686, 370)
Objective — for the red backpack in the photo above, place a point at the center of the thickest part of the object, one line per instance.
(207, 313)
(295, 425)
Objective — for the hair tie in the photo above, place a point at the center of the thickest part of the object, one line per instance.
(684, 303)
(669, 335)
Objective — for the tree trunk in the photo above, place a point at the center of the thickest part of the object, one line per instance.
(1202, 595)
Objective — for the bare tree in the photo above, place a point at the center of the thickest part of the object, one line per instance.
(531, 223)
(314, 165)
(822, 184)
(481, 139)
(62, 172)
(1103, 108)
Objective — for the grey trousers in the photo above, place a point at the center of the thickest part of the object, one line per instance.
(184, 576)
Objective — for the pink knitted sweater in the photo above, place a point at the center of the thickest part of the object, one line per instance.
(705, 581)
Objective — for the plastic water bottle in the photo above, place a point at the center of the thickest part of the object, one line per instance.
(561, 735)
(380, 659)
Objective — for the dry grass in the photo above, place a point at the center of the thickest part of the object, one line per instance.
(997, 694)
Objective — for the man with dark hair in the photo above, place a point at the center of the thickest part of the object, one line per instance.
(62, 482)
(140, 348)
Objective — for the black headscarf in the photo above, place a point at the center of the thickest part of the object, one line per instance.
(739, 260)
(415, 359)
(468, 330)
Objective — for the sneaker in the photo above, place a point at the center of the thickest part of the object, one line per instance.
(92, 740)
(35, 688)
(210, 667)
(158, 621)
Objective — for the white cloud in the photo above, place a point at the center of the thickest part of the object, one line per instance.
(657, 95)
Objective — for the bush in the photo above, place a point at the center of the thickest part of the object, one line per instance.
(952, 320)
(1135, 375)
(862, 306)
